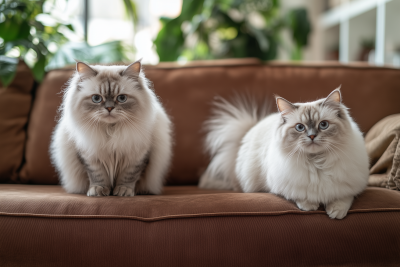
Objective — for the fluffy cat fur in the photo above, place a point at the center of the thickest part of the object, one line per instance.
(253, 152)
(122, 144)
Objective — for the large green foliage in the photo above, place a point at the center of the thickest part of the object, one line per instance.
(24, 36)
(21, 32)
(230, 28)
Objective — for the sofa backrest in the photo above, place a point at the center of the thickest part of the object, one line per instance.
(187, 92)
(15, 105)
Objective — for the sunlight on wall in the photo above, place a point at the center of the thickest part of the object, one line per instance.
(103, 30)
(162, 8)
(108, 22)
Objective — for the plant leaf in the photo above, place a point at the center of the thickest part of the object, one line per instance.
(300, 26)
(8, 67)
(24, 30)
(169, 41)
(38, 69)
(104, 53)
(130, 8)
(9, 30)
(69, 26)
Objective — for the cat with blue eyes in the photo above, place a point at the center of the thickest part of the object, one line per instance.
(113, 136)
(312, 153)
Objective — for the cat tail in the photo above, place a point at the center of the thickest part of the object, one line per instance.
(225, 129)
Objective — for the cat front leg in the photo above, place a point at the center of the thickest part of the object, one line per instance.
(338, 209)
(127, 179)
(307, 205)
(100, 184)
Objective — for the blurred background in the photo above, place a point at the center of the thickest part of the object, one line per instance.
(51, 34)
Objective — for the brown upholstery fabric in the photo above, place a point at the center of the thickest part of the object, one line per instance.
(175, 202)
(37, 168)
(371, 94)
(15, 104)
(186, 226)
(383, 147)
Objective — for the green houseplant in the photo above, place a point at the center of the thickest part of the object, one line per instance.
(230, 28)
(23, 36)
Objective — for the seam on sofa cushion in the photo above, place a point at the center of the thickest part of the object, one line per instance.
(184, 216)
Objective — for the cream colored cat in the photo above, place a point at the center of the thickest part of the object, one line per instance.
(113, 135)
(310, 153)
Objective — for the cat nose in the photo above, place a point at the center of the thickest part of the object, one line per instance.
(110, 108)
(312, 136)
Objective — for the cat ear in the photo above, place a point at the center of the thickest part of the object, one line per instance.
(284, 106)
(133, 69)
(84, 70)
(334, 98)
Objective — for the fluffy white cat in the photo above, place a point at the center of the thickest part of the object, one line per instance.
(310, 153)
(113, 134)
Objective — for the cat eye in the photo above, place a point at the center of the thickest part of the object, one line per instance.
(97, 98)
(300, 127)
(121, 98)
(323, 125)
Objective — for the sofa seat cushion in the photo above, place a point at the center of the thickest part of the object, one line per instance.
(175, 202)
(187, 226)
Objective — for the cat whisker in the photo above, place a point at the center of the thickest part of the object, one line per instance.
(131, 116)
(93, 121)
(130, 122)
(330, 150)
(293, 152)
(336, 147)
(289, 146)
(298, 156)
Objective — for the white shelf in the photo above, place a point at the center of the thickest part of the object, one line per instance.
(348, 11)
(347, 15)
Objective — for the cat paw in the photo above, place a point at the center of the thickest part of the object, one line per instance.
(307, 206)
(339, 208)
(123, 191)
(98, 191)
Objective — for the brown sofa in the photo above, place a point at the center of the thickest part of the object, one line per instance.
(41, 225)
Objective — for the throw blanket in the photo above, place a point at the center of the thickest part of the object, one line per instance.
(383, 147)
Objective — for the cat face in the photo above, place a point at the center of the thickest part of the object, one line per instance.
(109, 94)
(313, 127)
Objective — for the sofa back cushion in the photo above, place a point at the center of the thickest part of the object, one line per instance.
(371, 93)
(37, 168)
(15, 104)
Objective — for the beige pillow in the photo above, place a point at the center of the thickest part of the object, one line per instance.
(383, 147)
